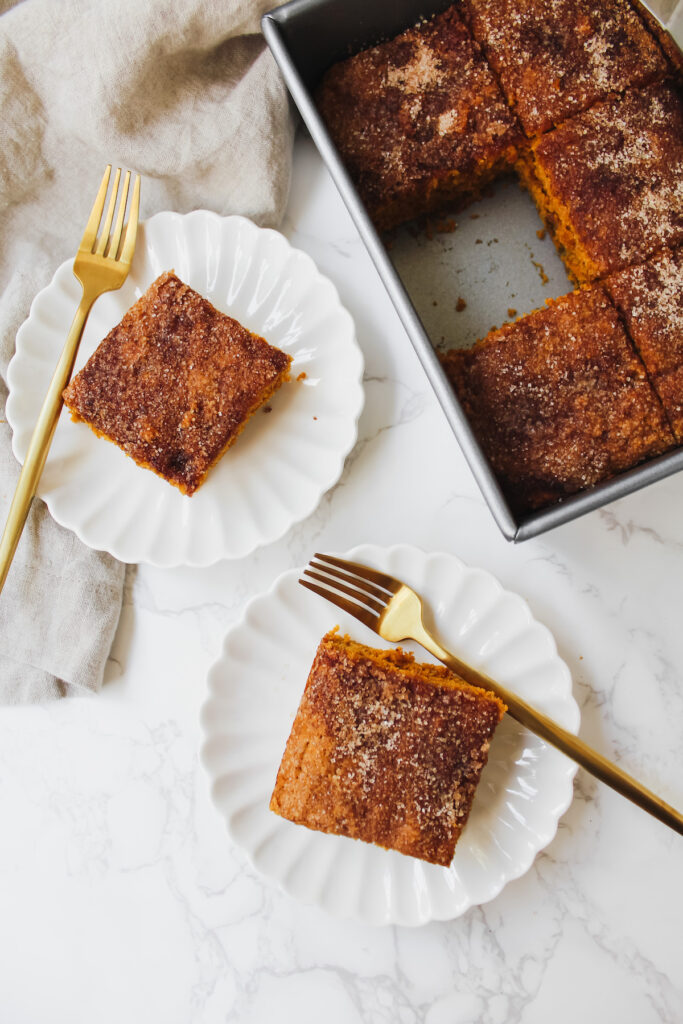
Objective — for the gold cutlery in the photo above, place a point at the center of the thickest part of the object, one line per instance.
(394, 611)
(101, 265)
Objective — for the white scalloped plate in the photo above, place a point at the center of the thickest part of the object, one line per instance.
(254, 691)
(283, 462)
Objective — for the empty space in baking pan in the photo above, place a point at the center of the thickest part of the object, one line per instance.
(470, 271)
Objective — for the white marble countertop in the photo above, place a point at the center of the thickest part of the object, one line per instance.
(121, 897)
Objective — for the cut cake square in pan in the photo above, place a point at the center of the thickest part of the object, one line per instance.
(385, 750)
(559, 400)
(555, 58)
(174, 383)
(419, 120)
(609, 182)
(667, 42)
(650, 298)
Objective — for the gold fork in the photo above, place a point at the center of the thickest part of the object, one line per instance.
(393, 609)
(101, 265)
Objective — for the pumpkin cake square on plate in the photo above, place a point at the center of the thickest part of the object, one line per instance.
(385, 750)
(650, 298)
(609, 182)
(559, 400)
(419, 121)
(174, 383)
(555, 58)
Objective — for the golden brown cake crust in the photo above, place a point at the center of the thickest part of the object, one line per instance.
(650, 298)
(385, 750)
(555, 58)
(612, 179)
(666, 41)
(418, 120)
(174, 383)
(559, 400)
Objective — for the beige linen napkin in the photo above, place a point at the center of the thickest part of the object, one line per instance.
(184, 92)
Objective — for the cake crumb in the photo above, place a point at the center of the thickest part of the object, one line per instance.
(541, 272)
(512, 312)
(302, 375)
(460, 305)
(541, 233)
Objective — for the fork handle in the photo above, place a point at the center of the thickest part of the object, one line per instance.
(566, 742)
(41, 440)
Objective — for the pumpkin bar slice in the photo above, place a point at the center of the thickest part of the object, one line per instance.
(419, 121)
(650, 298)
(609, 182)
(555, 59)
(385, 750)
(559, 400)
(174, 383)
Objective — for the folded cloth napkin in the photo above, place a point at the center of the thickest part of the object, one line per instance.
(184, 92)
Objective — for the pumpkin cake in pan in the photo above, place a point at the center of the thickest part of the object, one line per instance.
(555, 58)
(174, 383)
(609, 182)
(650, 299)
(385, 750)
(419, 120)
(559, 400)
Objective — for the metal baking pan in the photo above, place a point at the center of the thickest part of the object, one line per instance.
(504, 266)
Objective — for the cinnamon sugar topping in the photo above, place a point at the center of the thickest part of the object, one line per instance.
(559, 400)
(418, 120)
(650, 298)
(555, 58)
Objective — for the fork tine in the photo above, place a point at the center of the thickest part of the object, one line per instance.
(358, 595)
(356, 581)
(380, 578)
(131, 231)
(113, 241)
(370, 620)
(90, 233)
(104, 233)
